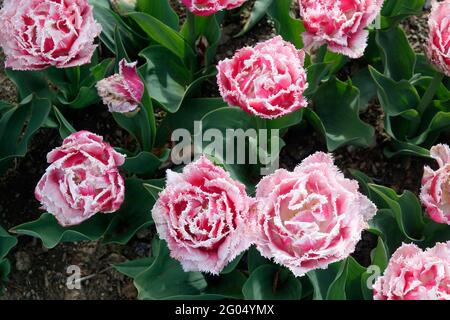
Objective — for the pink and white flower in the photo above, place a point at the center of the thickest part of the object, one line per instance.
(82, 179)
(341, 24)
(202, 214)
(435, 193)
(122, 92)
(36, 34)
(311, 217)
(439, 38)
(209, 7)
(267, 80)
(413, 274)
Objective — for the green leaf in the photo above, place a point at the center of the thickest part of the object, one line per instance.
(168, 80)
(161, 10)
(109, 21)
(65, 128)
(133, 268)
(190, 111)
(164, 35)
(391, 42)
(347, 284)
(341, 120)
(51, 233)
(406, 210)
(19, 124)
(367, 87)
(395, 97)
(270, 282)
(145, 162)
(394, 11)
(255, 259)
(287, 26)
(165, 279)
(139, 125)
(232, 265)
(7, 242)
(30, 83)
(259, 10)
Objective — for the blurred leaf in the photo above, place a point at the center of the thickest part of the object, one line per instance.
(145, 162)
(394, 11)
(287, 26)
(161, 10)
(270, 282)
(258, 12)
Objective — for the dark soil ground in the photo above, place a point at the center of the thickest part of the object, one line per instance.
(38, 273)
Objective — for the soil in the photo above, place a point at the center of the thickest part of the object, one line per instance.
(38, 273)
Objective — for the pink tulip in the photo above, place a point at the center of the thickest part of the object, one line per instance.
(267, 80)
(413, 274)
(82, 179)
(311, 217)
(340, 24)
(439, 38)
(202, 214)
(122, 92)
(435, 193)
(36, 34)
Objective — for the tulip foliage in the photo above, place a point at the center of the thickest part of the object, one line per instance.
(222, 231)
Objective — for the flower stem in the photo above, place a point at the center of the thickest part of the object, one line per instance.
(190, 20)
(430, 93)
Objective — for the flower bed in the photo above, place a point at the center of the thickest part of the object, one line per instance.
(378, 109)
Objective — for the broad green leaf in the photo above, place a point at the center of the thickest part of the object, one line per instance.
(165, 279)
(18, 125)
(164, 35)
(394, 11)
(255, 259)
(406, 210)
(232, 265)
(161, 10)
(7, 242)
(367, 87)
(167, 79)
(133, 268)
(287, 26)
(391, 42)
(270, 282)
(145, 162)
(190, 111)
(337, 105)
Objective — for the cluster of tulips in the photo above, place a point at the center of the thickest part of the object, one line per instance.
(305, 219)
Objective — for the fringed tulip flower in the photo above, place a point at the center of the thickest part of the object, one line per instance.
(202, 214)
(82, 179)
(36, 34)
(267, 80)
(413, 274)
(311, 217)
(435, 193)
(439, 38)
(209, 7)
(122, 92)
(341, 24)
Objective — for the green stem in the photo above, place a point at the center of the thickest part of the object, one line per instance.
(430, 93)
(191, 24)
